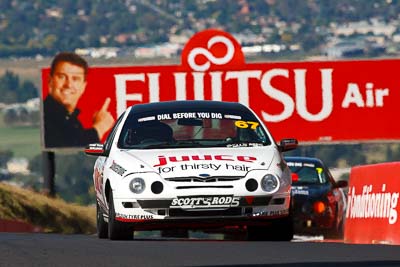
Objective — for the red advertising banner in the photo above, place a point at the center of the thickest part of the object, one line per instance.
(372, 210)
(315, 102)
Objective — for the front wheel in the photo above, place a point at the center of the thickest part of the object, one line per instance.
(117, 230)
(102, 226)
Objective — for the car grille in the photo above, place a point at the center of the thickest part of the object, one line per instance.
(203, 186)
(204, 213)
(211, 179)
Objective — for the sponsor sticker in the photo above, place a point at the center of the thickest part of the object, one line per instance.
(300, 191)
(193, 202)
(301, 164)
(134, 216)
(272, 213)
(117, 168)
(245, 145)
(151, 118)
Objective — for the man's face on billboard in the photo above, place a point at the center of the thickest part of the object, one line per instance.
(67, 84)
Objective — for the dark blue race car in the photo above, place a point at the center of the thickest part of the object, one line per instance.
(319, 202)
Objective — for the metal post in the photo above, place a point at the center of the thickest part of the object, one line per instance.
(49, 173)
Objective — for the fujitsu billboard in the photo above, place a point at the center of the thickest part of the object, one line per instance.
(315, 102)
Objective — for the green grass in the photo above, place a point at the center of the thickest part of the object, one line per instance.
(23, 141)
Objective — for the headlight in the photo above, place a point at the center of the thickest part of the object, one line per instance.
(269, 183)
(137, 185)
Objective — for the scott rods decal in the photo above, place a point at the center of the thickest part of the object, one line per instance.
(205, 202)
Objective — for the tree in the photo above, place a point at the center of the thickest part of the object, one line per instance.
(13, 91)
(5, 156)
(35, 165)
(10, 116)
(49, 41)
(27, 91)
(9, 80)
(74, 177)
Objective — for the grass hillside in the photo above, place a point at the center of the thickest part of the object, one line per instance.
(51, 214)
(23, 141)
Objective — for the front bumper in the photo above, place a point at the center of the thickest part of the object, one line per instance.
(165, 213)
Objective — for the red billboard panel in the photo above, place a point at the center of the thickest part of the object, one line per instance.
(372, 210)
(315, 102)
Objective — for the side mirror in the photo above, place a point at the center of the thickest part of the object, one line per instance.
(95, 150)
(288, 144)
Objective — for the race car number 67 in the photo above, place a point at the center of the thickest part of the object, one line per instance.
(246, 124)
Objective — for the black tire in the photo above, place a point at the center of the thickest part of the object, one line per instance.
(117, 230)
(102, 226)
(336, 233)
(279, 230)
(285, 229)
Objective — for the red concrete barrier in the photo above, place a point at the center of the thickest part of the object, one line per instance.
(372, 214)
(16, 226)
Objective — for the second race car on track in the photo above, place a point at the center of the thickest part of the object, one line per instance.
(319, 202)
(192, 165)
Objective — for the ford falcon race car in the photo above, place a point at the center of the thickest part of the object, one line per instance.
(319, 202)
(192, 165)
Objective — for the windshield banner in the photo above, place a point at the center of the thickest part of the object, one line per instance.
(315, 102)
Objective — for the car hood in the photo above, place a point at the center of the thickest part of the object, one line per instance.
(201, 162)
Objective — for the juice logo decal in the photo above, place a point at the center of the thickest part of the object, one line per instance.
(370, 204)
(164, 160)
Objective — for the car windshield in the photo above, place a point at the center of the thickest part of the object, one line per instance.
(308, 173)
(195, 128)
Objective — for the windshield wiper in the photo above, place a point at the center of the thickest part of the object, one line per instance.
(188, 143)
(158, 145)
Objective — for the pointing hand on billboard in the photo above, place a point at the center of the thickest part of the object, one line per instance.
(103, 120)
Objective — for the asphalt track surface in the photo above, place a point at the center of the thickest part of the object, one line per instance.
(20, 249)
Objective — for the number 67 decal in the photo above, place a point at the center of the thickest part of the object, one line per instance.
(247, 124)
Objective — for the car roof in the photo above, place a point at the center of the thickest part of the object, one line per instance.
(303, 159)
(188, 105)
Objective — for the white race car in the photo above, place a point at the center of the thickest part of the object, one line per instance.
(192, 165)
